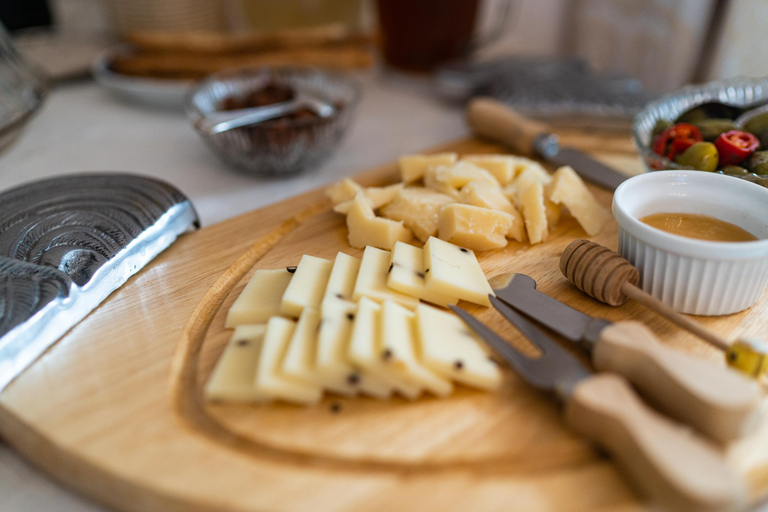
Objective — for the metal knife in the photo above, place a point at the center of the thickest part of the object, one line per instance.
(719, 402)
(663, 459)
(495, 120)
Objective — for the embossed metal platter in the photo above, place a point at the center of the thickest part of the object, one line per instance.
(67, 243)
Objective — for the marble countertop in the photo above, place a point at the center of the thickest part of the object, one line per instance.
(83, 127)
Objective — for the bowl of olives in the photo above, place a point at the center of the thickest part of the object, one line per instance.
(720, 127)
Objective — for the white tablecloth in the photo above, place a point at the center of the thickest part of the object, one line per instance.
(84, 128)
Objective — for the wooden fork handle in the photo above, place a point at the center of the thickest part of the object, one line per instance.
(712, 398)
(664, 460)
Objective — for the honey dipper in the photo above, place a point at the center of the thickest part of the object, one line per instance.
(604, 275)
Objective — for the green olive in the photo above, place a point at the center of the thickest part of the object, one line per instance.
(758, 160)
(735, 170)
(659, 127)
(702, 156)
(712, 128)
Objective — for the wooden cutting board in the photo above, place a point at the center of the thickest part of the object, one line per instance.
(96, 411)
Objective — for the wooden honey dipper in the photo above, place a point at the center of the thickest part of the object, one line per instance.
(606, 276)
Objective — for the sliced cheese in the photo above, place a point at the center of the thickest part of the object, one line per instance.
(260, 299)
(372, 280)
(450, 349)
(232, 378)
(270, 381)
(341, 282)
(399, 351)
(454, 270)
(365, 228)
(307, 285)
(534, 211)
(299, 360)
(412, 167)
(331, 365)
(569, 190)
(366, 351)
(407, 275)
(418, 208)
(476, 228)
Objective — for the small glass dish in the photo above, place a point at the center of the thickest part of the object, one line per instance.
(733, 91)
(278, 147)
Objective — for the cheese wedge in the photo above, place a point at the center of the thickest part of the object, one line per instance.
(407, 275)
(366, 352)
(341, 282)
(307, 285)
(270, 381)
(399, 351)
(450, 349)
(453, 270)
(412, 167)
(260, 299)
(365, 228)
(569, 190)
(461, 173)
(503, 167)
(342, 191)
(376, 196)
(299, 360)
(535, 213)
(474, 227)
(484, 195)
(232, 378)
(372, 280)
(418, 208)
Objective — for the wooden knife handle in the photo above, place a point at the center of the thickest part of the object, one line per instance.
(665, 461)
(495, 120)
(713, 399)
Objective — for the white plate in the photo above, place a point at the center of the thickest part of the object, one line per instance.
(155, 92)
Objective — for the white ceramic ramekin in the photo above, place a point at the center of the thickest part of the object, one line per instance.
(695, 276)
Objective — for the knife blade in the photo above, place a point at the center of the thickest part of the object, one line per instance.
(495, 120)
(724, 404)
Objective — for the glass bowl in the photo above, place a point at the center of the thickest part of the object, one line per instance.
(276, 148)
(733, 91)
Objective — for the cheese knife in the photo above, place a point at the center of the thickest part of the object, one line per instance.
(714, 399)
(495, 120)
(663, 459)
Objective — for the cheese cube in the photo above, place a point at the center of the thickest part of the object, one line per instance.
(450, 349)
(341, 282)
(342, 191)
(407, 275)
(299, 360)
(473, 227)
(307, 285)
(376, 196)
(478, 193)
(453, 270)
(260, 299)
(418, 208)
(412, 167)
(232, 378)
(399, 351)
(534, 211)
(366, 229)
(366, 352)
(568, 189)
(270, 380)
(372, 280)
(458, 175)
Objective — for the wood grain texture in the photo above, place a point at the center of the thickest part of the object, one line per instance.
(97, 410)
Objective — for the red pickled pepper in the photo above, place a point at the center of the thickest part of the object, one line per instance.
(735, 146)
(676, 139)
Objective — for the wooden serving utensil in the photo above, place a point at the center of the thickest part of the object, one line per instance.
(604, 275)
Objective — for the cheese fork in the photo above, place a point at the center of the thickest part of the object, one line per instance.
(719, 402)
(665, 461)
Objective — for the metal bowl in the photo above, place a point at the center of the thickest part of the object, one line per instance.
(269, 148)
(733, 91)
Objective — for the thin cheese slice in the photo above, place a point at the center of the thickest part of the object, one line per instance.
(270, 381)
(341, 282)
(569, 190)
(260, 299)
(366, 352)
(299, 360)
(331, 366)
(307, 285)
(232, 379)
(535, 212)
(372, 279)
(399, 351)
(407, 275)
(450, 349)
(454, 270)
